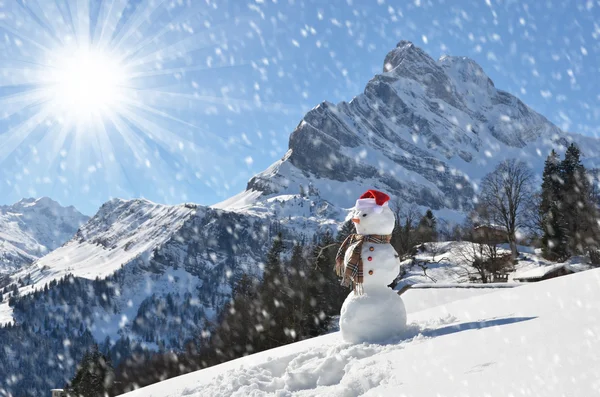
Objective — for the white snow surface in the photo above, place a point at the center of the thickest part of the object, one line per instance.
(539, 271)
(540, 339)
(32, 228)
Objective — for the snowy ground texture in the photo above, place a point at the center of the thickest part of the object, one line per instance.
(540, 339)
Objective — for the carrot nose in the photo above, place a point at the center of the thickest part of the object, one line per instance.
(356, 220)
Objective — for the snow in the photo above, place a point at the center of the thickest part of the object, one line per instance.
(465, 286)
(372, 317)
(5, 314)
(240, 201)
(539, 271)
(447, 264)
(538, 339)
(425, 296)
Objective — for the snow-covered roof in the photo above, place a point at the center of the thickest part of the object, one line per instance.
(540, 271)
(490, 226)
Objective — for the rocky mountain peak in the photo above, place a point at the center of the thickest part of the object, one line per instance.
(423, 130)
(404, 55)
(33, 227)
(465, 69)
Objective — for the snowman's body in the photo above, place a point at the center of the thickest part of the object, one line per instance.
(378, 313)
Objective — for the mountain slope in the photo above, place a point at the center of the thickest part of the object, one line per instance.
(538, 339)
(424, 131)
(31, 228)
(135, 254)
(138, 276)
(120, 232)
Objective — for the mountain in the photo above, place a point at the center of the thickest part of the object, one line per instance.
(424, 131)
(538, 339)
(32, 228)
(136, 276)
(140, 275)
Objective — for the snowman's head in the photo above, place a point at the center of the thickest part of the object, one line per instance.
(372, 214)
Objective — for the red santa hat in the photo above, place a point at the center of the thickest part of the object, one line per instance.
(372, 199)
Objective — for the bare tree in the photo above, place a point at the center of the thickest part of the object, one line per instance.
(404, 236)
(470, 260)
(534, 218)
(434, 249)
(483, 261)
(505, 192)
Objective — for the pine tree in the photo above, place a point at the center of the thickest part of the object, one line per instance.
(240, 328)
(553, 239)
(94, 376)
(576, 207)
(320, 275)
(297, 299)
(272, 293)
(346, 230)
(325, 294)
(404, 235)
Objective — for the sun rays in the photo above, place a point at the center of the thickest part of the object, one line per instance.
(91, 87)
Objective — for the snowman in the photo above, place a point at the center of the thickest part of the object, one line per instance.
(366, 261)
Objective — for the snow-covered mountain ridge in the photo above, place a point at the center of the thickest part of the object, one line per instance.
(424, 131)
(120, 232)
(136, 275)
(155, 249)
(31, 228)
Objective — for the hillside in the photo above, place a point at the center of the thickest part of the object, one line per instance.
(537, 339)
(137, 276)
(31, 228)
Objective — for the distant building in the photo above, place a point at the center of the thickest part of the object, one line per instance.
(489, 234)
(543, 273)
(58, 393)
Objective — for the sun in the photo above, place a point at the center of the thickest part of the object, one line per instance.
(83, 84)
(97, 96)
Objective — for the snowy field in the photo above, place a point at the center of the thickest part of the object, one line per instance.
(540, 339)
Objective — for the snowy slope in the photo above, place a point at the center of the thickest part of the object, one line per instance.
(31, 228)
(539, 339)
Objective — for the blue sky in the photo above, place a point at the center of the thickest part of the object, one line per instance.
(215, 88)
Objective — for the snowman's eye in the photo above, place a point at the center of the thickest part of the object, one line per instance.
(364, 215)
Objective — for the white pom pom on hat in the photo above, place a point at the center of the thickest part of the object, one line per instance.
(372, 199)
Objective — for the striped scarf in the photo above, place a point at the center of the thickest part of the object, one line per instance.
(352, 275)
